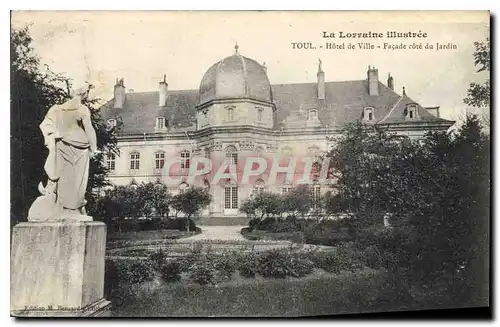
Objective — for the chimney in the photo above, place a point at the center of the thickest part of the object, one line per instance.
(321, 82)
(119, 93)
(372, 81)
(390, 82)
(163, 92)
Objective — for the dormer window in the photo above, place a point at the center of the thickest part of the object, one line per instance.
(368, 114)
(160, 123)
(313, 115)
(411, 111)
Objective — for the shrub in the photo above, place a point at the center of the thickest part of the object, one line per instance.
(371, 257)
(171, 271)
(158, 258)
(225, 263)
(336, 261)
(283, 263)
(133, 271)
(203, 272)
(189, 259)
(248, 264)
(301, 266)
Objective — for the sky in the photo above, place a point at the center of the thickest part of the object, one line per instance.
(142, 46)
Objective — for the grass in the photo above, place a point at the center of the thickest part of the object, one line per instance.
(318, 294)
(170, 234)
(262, 235)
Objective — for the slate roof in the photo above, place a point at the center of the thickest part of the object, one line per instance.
(344, 103)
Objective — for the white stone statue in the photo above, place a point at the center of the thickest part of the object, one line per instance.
(71, 139)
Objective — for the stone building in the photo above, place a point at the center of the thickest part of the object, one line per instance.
(238, 114)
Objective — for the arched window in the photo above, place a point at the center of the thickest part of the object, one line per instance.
(259, 114)
(111, 161)
(231, 196)
(135, 159)
(183, 187)
(231, 155)
(313, 114)
(185, 159)
(258, 187)
(230, 113)
(159, 159)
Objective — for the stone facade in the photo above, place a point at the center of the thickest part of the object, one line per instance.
(237, 115)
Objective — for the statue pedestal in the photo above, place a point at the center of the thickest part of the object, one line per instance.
(57, 269)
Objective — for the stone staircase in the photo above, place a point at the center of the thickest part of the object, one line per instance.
(223, 221)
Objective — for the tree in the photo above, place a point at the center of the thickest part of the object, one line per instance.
(437, 194)
(478, 95)
(191, 202)
(33, 92)
(265, 204)
(298, 201)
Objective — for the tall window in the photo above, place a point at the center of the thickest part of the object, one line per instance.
(230, 114)
(231, 155)
(160, 122)
(313, 115)
(316, 193)
(258, 187)
(159, 160)
(135, 160)
(259, 114)
(286, 189)
(111, 161)
(183, 188)
(185, 159)
(231, 196)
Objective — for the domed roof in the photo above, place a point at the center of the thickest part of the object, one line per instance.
(235, 77)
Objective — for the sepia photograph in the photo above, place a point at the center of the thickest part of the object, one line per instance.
(249, 163)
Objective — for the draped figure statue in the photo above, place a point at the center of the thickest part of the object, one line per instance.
(71, 140)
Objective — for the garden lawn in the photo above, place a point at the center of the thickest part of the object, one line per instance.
(149, 235)
(320, 293)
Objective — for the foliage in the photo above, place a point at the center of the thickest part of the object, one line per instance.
(247, 264)
(33, 91)
(298, 201)
(127, 201)
(124, 272)
(479, 95)
(158, 258)
(265, 204)
(191, 202)
(435, 193)
(203, 272)
(170, 270)
(282, 263)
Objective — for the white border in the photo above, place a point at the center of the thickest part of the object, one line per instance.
(492, 5)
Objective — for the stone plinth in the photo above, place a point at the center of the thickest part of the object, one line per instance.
(57, 269)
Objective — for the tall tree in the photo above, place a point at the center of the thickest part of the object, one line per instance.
(33, 91)
(478, 95)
